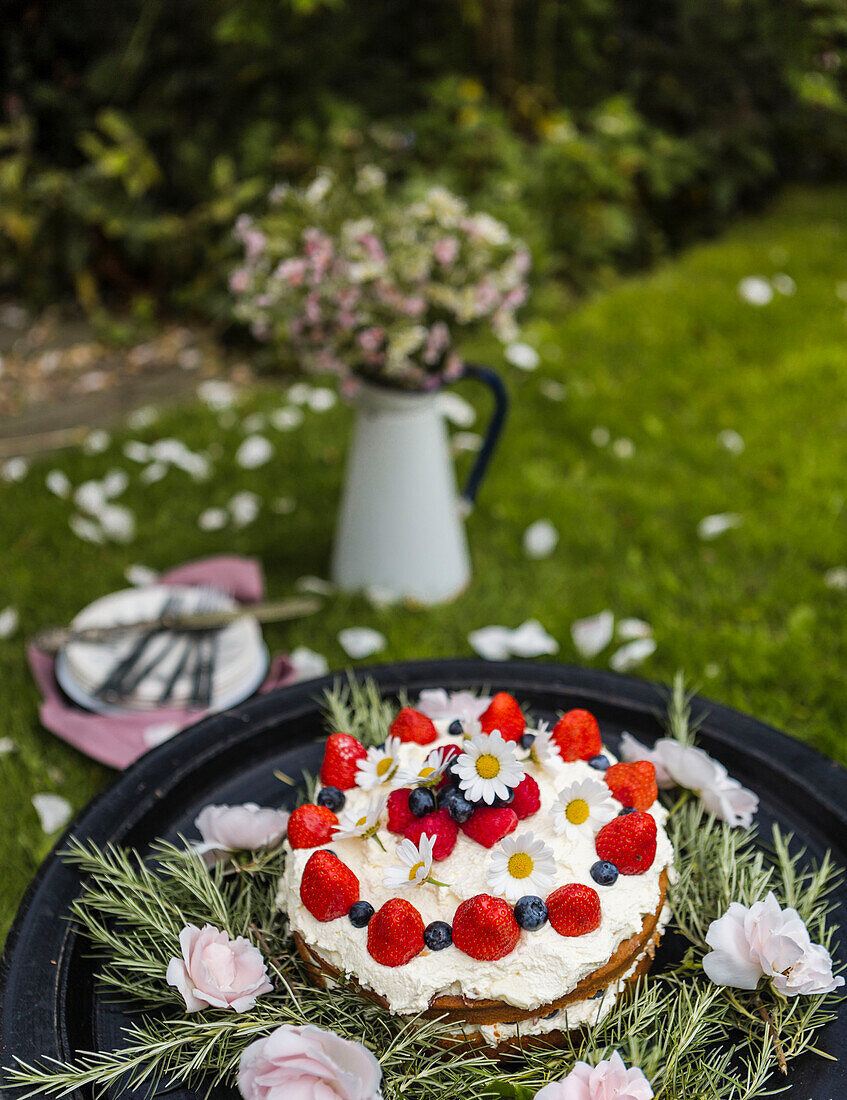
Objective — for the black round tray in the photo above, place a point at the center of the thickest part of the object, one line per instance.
(48, 1003)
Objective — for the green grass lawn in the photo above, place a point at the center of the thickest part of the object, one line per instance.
(667, 360)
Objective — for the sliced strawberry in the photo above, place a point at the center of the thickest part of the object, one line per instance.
(574, 910)
(527, 800)
(395, 933)
(633, 784)
(439, 825)
(399, 814)
(328, 887)
(411, 725)
(311, 826)
(629, 842)
(343, 753)
(489, 824)
(504, 714)
(577, 735)
(485, 928)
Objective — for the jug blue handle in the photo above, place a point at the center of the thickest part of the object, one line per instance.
(492, 433)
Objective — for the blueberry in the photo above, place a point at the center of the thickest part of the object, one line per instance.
(438, 935)
(526, 740)
(450, 771)
(331, 797)
(360, 913)
(627, 810)
(530, 912)
(456, 805)
(507, 801)
(421, 801)
(604, 873)
(456, 728)
(601, 762)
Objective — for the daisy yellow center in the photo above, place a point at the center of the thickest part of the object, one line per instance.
(577, 811)
(520, 865)
(488, 766)
(362, 821)
(383, 766)
(414, 871)
(425, 773)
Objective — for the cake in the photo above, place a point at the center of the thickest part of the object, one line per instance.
(481, 868)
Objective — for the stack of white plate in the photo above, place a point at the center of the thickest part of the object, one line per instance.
(240, 659)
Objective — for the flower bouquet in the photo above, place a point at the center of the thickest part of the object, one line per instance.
(194, 941)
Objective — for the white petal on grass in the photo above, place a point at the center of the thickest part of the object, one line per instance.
(9, 620)
(254, 452)
(118, 522)
(212, 519)
(136, 451)
(140, 575)
(632, 654)
(523, 356)
(58, 482)
(308, 664)
(153, 473)
(553, 390)
(592, 634)
(287, 418)
(455, 409)
(492, 642)
(96, 442)
(90, 497)
(244, 508)
(731, 441)
(7, 745)
(540, 539)
(316, 585)
(532, 640)
(629, 629)
(54, 811)
(361, 641)
(144, 417)
(600, 436)
(283, 506)
(836, 578)
(465, 441)
(14, 469)
(217, 394)
(784, 284)
(756, 290)
(300, 393)
(87, 530)
(712, 527)
(322, 399)
(114, 483)
(623, 448)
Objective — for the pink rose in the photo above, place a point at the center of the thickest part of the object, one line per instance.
(307, 1063)
(239, 828)
(608, 1080)
(215, 970)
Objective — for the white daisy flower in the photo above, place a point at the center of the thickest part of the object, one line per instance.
(544, 752)
(379, 766)
(583, 806)
(488, 768)
(354, 823)
(428, 774)
(415, 865)
(521, 865)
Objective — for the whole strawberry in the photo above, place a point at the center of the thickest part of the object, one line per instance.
(574, 909)
(629, 842)
(399, 814)
(577, 735)
(395, 933)
(485, 928)
(439, 825)
(328, 887)
(633, 784)
(411, 725)
(311, 826)
(504, 714)
(343, 753)
(527, 800)
(489, 824)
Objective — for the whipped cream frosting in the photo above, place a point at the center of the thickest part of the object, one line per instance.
(543, 967)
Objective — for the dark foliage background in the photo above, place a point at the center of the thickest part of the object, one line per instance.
(606, 131)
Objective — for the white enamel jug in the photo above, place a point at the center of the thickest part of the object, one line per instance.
(400, 527)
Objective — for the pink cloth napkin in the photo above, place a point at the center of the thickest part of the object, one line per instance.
(119, 739)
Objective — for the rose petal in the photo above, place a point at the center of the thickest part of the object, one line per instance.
(58, 483)
(540, 539)
(361, 641)
(523, 356)
(593, 634)
(254, 452)
(491, 642)
(632, 654)
(710, 527)
(54, 811)
(308, 665)
(9, 620)
(731, 441)
(532, 640)
(756, 290)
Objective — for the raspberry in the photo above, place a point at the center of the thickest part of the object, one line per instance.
(438, 824)
(485, 928)
(411, 725)
(328, 887)
(633, 784)
(399, 814)
(505, 715)
(577, 735)
(310, 826)
(395, 933)
(574, 909)
(342, 754)
(629, 842)
(489, 824)
(527, 800)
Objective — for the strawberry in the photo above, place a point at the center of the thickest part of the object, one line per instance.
(574, 909)
(343, 752)
(395, 933)
(633, 784)
(629, 842)
(505, 715)
(411, 725)
(485, 928)
(438, 824)
(527, 800)
(577, 735)
(328, 887)
(399, 814)
(310, 826)
(489, 824)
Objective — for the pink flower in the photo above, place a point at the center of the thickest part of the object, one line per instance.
(239, 280)
(307, 1063)
(292, 272)
(414, 306)
(487, 296)
(453, 367)
(371, 339)
(215, 970)
(608, 1080)
(254, 243)
(239, 828)
(436, 344)
(373, 248)
(446, 250)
